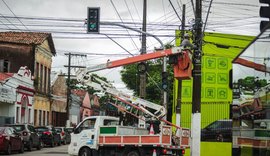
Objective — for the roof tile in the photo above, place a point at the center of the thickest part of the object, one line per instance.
(23, 37)
(27, 38)
(4, 76)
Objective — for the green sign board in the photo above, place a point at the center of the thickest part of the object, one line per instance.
(216, 95)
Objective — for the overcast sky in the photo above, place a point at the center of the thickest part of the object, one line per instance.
(69, 33)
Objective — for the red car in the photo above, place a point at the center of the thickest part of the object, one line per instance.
(10, 140)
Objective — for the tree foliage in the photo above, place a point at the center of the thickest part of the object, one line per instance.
(251, 83)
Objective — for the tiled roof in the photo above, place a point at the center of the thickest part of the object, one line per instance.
(23, 37)
(78, 92)
(28, 38)
(4, 76)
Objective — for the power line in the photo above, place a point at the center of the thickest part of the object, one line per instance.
(175, 11)
(14, 14)
(118, 44)
(9, 21)
(122, 22)
(238, 4)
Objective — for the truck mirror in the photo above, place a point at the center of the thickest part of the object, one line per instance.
(77, 130)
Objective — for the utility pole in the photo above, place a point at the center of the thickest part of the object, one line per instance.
(143, 51)
(179, 90)
(69, 66)
(196, 97)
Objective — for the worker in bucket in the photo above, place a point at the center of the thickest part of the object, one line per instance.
(187, 45)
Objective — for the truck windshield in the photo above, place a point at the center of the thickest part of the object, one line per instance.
(88, 124)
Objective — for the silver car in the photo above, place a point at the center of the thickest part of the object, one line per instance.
(29, 135)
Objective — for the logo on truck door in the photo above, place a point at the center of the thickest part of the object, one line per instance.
(90, 142)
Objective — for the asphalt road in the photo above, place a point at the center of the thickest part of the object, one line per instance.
(55, 151)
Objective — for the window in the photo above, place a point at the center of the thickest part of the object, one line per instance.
(4, 65)
(45, 80)
(18, 128)
(110, 122)
(29, 115)
(41, 78)
(49, 80)
(35, 117)
(31, 128)
(48, 117)
(88, 124)
(37, 78)
(17, 114)
(44, 118)
(9, 131)
(40, 115)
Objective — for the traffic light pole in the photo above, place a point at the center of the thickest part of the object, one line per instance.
(179, 89)
(196, 97)
(140, 31)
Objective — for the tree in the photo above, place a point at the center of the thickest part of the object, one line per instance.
(130, 76)
(251, 83)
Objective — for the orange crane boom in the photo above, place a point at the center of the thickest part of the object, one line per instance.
(182, 66)
(250, 64)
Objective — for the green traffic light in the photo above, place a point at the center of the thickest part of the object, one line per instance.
(93, 26)
(93, 20)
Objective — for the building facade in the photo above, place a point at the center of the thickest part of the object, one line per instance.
(34, 50)
(59, 99)
(16, 100)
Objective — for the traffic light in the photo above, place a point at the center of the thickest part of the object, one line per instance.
(93, 20)
(236, 91)
(265, 13)
(164, 83)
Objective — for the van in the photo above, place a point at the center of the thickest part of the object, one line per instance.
(219, 131)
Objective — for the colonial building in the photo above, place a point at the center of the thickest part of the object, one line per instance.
(83, 105)
(34, 50)
(16, 97)
(59, 99)
(90, 106)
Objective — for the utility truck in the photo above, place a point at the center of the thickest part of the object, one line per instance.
(105, 135)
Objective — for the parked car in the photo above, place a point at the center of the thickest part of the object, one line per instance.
(29, 135)
(220, 130)
(65, 135)
(49, 135)
(10, 140)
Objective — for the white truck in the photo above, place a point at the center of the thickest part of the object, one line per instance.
(104, 135)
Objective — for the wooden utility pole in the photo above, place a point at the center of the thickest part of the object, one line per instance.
(196, 96)
(69, 66)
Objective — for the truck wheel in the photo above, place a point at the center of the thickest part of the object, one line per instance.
(85, 152)
(133, 153)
